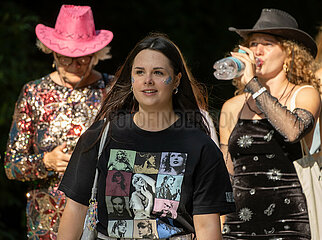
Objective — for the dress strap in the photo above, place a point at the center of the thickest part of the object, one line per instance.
(292, 104)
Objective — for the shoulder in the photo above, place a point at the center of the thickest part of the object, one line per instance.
(92, 133)
(306, 97)
(229, 113)
(306, 93)
(234, 103)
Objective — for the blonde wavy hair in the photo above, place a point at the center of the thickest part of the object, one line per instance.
(300, 64)
(102, 54)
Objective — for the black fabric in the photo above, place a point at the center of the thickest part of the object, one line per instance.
(205, 187)
(269, 199)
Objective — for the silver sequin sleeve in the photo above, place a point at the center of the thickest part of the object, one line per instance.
(292, 125)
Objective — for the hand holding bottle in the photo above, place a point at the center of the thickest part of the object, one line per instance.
(249, 61)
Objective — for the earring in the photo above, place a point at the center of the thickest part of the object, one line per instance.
(54, 64)
(285, 68)
(131, 88)
(175, 91)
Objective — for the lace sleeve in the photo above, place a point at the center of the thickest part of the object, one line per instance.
(292, 125)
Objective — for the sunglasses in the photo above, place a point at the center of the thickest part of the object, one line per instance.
(66, 61)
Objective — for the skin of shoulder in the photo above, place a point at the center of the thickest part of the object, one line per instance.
(229, 116)
(309, 99)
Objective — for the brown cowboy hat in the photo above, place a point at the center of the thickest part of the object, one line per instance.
(282, 24)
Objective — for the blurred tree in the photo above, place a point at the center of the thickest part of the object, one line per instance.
(19, 63)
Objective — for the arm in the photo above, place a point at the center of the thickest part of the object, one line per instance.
(21, 162)
(292, 125)
(207, 226)
(72, 221)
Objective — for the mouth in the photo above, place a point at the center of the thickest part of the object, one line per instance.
(259, 62)
(149, 91)
(175, 162)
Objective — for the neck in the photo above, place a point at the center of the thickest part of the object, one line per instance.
(154, 120)
(92, 77)
(276, 85)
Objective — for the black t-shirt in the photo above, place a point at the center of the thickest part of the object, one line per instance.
(150, 183)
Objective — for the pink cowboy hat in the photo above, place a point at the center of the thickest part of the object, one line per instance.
(74, 34)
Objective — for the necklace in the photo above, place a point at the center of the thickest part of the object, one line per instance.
(260, 113)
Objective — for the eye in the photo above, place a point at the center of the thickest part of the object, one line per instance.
(253, 44)
(139, 72)
(159, 73)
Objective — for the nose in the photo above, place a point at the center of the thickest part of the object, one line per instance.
(148, 80)
(259, 50)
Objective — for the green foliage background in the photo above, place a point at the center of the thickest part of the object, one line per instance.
(199, 27)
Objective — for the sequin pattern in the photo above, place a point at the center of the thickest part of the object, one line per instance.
(47, 115)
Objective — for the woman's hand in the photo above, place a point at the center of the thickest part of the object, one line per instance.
(248, 59)
(57, 160)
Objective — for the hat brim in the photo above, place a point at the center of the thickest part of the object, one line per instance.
(294, 34)
(72, 48)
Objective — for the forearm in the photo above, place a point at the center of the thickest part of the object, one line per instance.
(292, 125)
(207, 226)
(24, 167)
(72, 221)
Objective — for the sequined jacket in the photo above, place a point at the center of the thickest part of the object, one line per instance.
(46, 116)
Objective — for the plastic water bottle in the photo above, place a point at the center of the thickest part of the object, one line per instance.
(229, 68)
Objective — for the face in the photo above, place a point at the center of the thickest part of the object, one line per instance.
(120, 155)
(122, 227)
(170, 181)
(144, 229)
(269, 51)
(73, 69)
(118, 205)
(176, 160)
(153, 80)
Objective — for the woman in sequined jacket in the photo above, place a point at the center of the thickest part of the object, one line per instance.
(261, 127)
(52, 112)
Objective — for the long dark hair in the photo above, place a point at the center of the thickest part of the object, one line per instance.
(190, 97)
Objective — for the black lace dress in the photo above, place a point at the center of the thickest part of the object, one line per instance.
(269, 199)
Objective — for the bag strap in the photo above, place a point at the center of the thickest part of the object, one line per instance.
(100, 150)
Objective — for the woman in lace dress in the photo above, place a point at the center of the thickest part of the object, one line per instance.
(52, 112)
(261, 127)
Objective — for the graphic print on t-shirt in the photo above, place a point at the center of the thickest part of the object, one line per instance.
(118, 183)
(140, 188)
(121, 160)
(118, 207)
(173, 163)
(147, 163)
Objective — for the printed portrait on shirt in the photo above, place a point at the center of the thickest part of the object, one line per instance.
(169, 187)
(118, 207)
(122, 160)
(118, 183)
(166, 208)
(147, 163)
(120, 228)
(173, 163)
(167, 229)
(141, 200)
(145, 229)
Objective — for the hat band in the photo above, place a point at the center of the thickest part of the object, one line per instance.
(73, 36)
